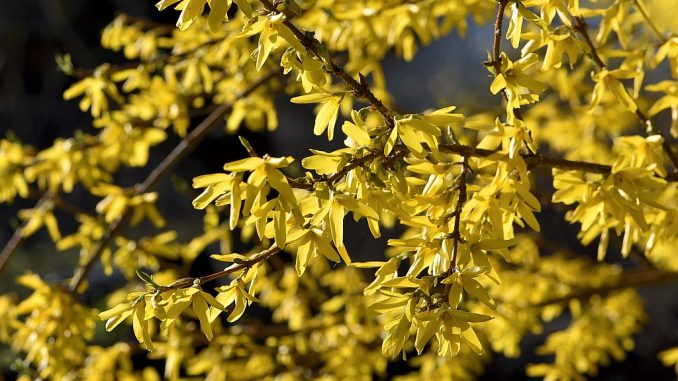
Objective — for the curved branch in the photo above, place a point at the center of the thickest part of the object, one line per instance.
(532, 160)
(456, 232)
(650, 22)
(630, 280)
(360, 89)
(538, 160)
(496, 50)
(242, 265)
(496, 42)
(581, 27)
(18, 237)
(169, 162)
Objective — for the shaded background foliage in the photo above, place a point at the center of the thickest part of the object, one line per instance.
(449, 71)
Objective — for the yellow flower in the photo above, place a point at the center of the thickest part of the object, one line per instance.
(514, 77)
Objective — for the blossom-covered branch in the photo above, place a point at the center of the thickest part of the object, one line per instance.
(627, 280)
(581, 27)
(178, 153)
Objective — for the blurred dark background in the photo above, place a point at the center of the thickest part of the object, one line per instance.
(449, 71)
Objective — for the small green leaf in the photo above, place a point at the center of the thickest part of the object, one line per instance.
(245, 143)
(147, 278)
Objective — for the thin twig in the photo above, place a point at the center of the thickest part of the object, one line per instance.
(18, 237)
(188, 144)
(242, 265)
(532, 160)
(178, 153)
(461, 200)
(456, 232)
(159, 60)
(144, 22)
(538, 160)
(630, 280)
(496, 50)
(302, 182)
(74, 210)
(496, 42)
(581, 28)
(352, 165)
(58, 202)
(81, 271)
(648, 19)
(361, 90)
(259, 330)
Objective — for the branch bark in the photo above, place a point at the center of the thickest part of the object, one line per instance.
(188, 282)
(178, 153)
(496, 49)
(538, 160)
(456, 232)
(361, 90)
(581, 28)
(18, 237)
(532, 160)
(650, 22)
(630, 280)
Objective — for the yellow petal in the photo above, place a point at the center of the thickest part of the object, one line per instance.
(356, 133)
(200, 309)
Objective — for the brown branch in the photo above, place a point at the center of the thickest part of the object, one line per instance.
(354, 163)
(538, 160)
(496, 50)
(496, 42)
(301, 183)
(308, 184)
(242, 265)
(630, 280)
(75, 210)
(60, 203)
(456, 232)
(364, 92)
(18, 237)
(461, 200)
(652, 130)
(178, 153)
(144, 22)
(581, 28)
(196, 136)
(82, 270)
(360, 90)
(532, 160)
(260, 330)
(648, 19)
(160, 60)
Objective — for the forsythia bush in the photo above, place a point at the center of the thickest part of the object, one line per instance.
(468, 277)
